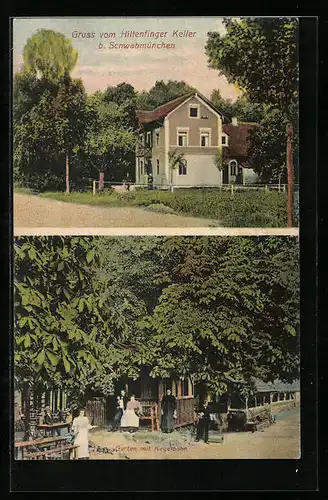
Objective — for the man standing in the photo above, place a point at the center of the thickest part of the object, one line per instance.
(121, 403)
(168, 411)
(203, 422)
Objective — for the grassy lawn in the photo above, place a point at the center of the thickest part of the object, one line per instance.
(241, 209)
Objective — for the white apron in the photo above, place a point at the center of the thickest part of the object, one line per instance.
(81, 427)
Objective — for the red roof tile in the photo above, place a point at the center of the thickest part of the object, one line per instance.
(145, 117)
(238, 139)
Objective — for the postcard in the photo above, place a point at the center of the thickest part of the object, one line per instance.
(155, 123)
(156, 348)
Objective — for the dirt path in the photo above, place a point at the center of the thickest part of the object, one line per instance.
(279, 441)
(33, 211)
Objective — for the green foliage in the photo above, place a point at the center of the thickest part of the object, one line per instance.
(49, 54)
(242, 108)
(161, 93)
(229, 308)
(89, 311)
(110, 142)
(255, 208)
(267, 150)
(260, 55)
(49, 122)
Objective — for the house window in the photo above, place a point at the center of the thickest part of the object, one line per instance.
(148, 139)
(182, 138)
(157, 138)
(183, 168)
(141, 167)
(233, 167)
(157, 167)
(142, 139)
(185, 387)
(205, 139)
(224, 140)
(193, 111)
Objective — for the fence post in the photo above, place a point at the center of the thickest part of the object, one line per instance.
(284, 188)
(94, 188)
(266, 188)
(231, 188)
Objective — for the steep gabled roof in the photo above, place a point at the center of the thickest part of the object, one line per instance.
(238, 139)
(162, 111)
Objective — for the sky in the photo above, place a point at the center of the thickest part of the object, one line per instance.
(100, 68)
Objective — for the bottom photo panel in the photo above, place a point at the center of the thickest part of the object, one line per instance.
(152, 348)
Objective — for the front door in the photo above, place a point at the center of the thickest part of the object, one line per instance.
(225, 176)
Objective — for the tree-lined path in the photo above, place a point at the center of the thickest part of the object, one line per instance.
(32, 211)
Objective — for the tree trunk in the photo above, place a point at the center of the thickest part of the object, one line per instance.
(290, 175)
(67, 174)
(26, 408)
(101, 181)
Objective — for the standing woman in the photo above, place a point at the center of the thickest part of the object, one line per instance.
(168, 411)
(81, 428)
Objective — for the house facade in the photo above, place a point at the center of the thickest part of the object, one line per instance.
(193, 129)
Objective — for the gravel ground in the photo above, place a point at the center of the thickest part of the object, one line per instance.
(32, 211)
(279, 441)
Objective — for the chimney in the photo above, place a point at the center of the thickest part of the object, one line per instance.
(234, 121)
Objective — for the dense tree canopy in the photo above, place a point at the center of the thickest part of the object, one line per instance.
(242, 109)
(260, 55)
(161, 93)
(89, 311)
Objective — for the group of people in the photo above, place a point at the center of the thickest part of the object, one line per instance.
(128, 413)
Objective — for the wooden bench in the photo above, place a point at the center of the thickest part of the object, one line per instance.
(71, 448)
(22, 445)
(52, 428)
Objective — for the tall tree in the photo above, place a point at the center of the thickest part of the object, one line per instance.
(71, 116)
(261, 56)
(110, 139)
(267, 150)
(229, 308)
(242, 108)
(163, 92)
(49, 54)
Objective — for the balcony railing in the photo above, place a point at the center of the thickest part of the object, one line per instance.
(145, 151)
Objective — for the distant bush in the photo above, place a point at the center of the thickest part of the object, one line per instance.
(241, 209)
(160, 208)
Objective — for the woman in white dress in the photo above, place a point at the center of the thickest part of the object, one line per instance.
(81, 428)
(130, 418)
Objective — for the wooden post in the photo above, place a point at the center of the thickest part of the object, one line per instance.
(94, 188)
(290, 175)
(255, 401)
(231, 188)
(271, 398)
(263, 400)
(67, 174)
(152, 418)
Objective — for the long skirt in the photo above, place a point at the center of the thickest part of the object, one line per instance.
(167, 423)
(130, 419)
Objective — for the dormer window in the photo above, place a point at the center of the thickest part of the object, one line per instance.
(194, 111)
(224, 140)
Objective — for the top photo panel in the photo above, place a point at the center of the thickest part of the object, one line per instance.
(155, 123)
